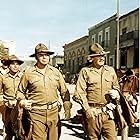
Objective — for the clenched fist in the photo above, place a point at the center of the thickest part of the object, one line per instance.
(27, 104)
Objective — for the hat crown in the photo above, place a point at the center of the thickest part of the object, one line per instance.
(13, 57)
(40, 48)
(96, 49)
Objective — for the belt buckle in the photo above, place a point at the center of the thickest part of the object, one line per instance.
(49, 107)
(101, 104)
(103, 109)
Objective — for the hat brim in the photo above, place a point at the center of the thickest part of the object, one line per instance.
(104, 53)
(8, 62)
(48, 52)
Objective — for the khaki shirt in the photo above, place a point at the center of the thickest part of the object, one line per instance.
(9, 85)
(3, 71)
(92, 85)
(42, 88)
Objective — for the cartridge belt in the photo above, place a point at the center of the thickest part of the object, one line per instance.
(48, 106)
(100, 105)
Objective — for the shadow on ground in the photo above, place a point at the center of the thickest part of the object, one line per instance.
(133, 132)
(71, 124)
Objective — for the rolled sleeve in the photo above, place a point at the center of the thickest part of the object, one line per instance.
(22, 87)
(80, 94)
(64, 93)
(1, 87)
(115, 81)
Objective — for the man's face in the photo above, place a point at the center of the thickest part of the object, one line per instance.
(99, 60)
(3, 64)
(43, 58)
(14, 67)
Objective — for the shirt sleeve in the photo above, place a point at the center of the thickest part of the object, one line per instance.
(1, 85)
(64, 93)
(115, 84)
(80, 94)
(22, 88)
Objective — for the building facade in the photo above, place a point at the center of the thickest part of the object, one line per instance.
(104, 33)
(129, 40)
(58, 62)
(75, 55)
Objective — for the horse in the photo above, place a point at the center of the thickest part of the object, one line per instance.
(129, 87)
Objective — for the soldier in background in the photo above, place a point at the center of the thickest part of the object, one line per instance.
(8, 87)
(94, 83)
(42, 82)
(3, 70)
(4, 67)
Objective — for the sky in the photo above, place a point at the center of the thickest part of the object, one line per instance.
(53, 22)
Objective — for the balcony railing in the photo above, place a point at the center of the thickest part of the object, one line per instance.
(129, 35)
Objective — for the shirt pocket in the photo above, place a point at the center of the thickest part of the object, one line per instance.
(54, 81)
(93, 83)
(108, 82)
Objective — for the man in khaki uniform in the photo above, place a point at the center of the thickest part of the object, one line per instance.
(43, 83)
(8, 87)
(3, 70)
(94, 83)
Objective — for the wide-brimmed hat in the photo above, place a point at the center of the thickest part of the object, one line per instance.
(97, 50)
(41, 48)
(13, 58)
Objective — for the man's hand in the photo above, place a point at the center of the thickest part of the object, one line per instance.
(91, 113)
(114, 94)
(12, 103)
(27, 104)
(67, 107)
(1, 100)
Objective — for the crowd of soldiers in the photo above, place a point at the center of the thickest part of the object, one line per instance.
(32, 96)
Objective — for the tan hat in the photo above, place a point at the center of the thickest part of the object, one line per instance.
(41, 48)
(97, 50)
(13, 58)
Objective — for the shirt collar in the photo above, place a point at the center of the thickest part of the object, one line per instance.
(105, 67)
(35, 68)
(18, 74)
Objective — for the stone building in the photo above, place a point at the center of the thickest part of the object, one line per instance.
(58, 62)
(104, 33)
(75, 55)
(129, 40)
